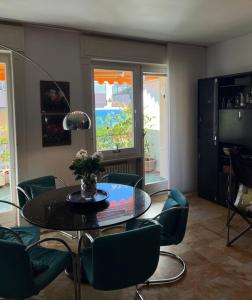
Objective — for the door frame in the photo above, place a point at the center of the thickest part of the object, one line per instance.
(10, 218)
(162, 71)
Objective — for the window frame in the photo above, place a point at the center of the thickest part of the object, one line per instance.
(137, 109)
(9, 218)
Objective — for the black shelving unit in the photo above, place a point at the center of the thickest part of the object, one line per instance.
(221, 127)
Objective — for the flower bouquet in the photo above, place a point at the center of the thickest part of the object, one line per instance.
(86, 168)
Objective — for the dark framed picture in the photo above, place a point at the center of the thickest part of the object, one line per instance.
(53, 133)
(52, 99)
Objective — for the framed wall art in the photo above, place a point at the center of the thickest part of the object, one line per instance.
(53, 110)
(53, 133)
(51, 98)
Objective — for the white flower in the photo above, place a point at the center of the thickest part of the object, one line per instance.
(81, 154)
(97, 155)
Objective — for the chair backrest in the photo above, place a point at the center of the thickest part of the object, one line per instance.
(174, 221)
(125, 259)
(133, 180)
(16, 275)
(35, 187)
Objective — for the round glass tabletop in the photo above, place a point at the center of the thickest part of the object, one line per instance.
(51, 209)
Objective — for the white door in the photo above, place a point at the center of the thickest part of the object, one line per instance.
(156, 133)
(8, 214)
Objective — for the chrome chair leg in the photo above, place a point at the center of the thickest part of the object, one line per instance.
(179, 276)
(138, 293)
(69, 235)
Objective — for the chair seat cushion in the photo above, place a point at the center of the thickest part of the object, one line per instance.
(56, 261)
(244, 200)
(28, 234)
(38, 267)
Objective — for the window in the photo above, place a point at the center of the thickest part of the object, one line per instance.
(7, 144)
(114, 109)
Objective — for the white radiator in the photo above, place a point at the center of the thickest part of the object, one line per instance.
(128, 165)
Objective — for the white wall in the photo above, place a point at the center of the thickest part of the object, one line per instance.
(186, 65)
(231, 56)
(58, 53)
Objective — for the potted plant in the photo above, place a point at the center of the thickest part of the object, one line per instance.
(86, 168)
(149, 162)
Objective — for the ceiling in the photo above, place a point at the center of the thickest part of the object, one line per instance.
(201, 22)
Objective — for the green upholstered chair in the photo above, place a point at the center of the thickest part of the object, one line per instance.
(29, 234)
(25, 271)
(173, 219)
(29, 189)
(121, 260)
(133, 180)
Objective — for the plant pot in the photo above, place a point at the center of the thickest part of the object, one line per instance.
(6, 173)
(149, 165)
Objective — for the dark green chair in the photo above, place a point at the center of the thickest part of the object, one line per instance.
(173, 219)
(121, 260)
(29, 234)
(133, 180)
(25, 271)
(29, 189)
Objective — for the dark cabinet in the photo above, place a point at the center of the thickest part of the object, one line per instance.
(235, 126)
(207, 138)
(224, 121)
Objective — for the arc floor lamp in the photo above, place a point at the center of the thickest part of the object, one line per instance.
(73, 120)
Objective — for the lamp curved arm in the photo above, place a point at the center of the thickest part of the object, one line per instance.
(38, 66)
(73, 120)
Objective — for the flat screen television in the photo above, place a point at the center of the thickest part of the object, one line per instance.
(235, 126)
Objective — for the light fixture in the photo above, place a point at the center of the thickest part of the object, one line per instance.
(73, 120)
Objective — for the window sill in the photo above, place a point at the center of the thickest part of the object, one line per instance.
(119, 158)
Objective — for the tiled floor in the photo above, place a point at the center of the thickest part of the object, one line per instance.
(214, 271)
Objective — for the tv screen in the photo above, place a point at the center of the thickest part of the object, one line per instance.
(235, 126)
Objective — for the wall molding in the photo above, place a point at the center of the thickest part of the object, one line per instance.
(102, 48)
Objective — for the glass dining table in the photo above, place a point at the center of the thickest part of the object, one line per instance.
(51, 210)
